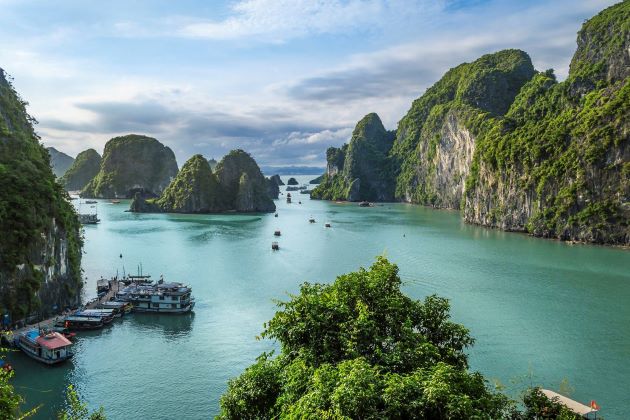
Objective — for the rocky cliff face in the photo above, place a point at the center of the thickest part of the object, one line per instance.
(40, 251)
(361, 170)
(245, 193)
(59, 161)
(237, 185)
(131, 164)
(84, 168)
(273, 186)
(515, 149)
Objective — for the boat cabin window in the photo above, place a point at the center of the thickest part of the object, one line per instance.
(161, 297)
(156, 305)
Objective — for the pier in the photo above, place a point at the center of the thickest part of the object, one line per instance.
(114, 286)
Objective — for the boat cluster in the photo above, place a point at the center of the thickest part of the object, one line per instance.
(52, 344)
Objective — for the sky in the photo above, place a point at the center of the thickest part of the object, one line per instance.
(281, 79)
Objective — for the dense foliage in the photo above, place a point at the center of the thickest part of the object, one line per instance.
(515, 149)
(236, 185)
(34, 212)
(361, 170)
(130, 164)
(84, 168)
(360, 348)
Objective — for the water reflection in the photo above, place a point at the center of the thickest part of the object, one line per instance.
(173, 327)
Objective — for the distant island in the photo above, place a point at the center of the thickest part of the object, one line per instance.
(510, 146)
(236, 185)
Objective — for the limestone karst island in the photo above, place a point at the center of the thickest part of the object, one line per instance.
(343, 209)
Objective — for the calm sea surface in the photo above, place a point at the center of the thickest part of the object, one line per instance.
(542, 312)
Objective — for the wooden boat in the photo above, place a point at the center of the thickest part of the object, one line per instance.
(83, 323)
(311, 220)
(107, 315)
(275, 215)
(327, 224)
(91, 201)
(275, 246)
(115, 201)
(277, 233)
(46, 347)
(118, 307)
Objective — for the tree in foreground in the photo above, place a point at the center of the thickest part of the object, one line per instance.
(77, 409)
(360, 348)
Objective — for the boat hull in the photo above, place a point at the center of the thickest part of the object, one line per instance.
(40, 359)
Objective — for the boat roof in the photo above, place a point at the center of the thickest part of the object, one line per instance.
(113, 303)
(83, 318)
(53, 340)
(575, 406)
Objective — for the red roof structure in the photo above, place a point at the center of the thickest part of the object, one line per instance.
(53, 341)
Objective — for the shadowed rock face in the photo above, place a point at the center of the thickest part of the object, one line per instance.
(84, 168)
(40, 250)
(130, 164)
(360, 171)
(59, 161)
(238, 185)
(273, 186)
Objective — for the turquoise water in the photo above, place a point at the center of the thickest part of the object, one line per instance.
(541, 311)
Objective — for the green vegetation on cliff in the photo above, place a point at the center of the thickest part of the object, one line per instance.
(84, 168)
(40, 250)
(362, 170)
(130, 164)
(195, 189)
(515, 149)
(237, 185)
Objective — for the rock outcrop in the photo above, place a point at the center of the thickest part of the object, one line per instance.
(513, 148)
(273, 186)
(292, 181)
(237, 185)
(59, 161)
(317, 180)
(130, 164)
(40, 250)
(84, 168)
(360, 171)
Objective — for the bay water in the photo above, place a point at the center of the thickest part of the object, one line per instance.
(542, 312)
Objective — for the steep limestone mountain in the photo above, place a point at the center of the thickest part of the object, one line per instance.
(273, 186)
(237, 185)
(40, 250)
(558, 164)
(292, 181)
(130, 164)
(515, 149)
(213, 163)
(59, 161)
(277, 180)
(195, 189)
(361, 171)
(84, 168)
(245, 193)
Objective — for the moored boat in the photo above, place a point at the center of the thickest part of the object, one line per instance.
(107, 315)
(119, 307)
(162, 297)
(82, 323)
(46, 347)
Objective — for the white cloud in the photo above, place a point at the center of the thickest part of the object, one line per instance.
(279, 20)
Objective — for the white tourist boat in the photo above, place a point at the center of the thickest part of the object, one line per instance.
(162, 297)
(46, 347)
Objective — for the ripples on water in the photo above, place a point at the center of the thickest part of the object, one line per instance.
(537, 308)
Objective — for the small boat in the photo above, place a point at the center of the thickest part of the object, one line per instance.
(277, 233)
(365, 204)
(275, 215)
(327, 224)
(299, 202)
(89, 219)
(311, 220)
(91, 201)
(119, 307)
(275, 246)
(102, 286)
(289, 198)
(46, 347)
(115, 201)
(107, 315)
(82, 323)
